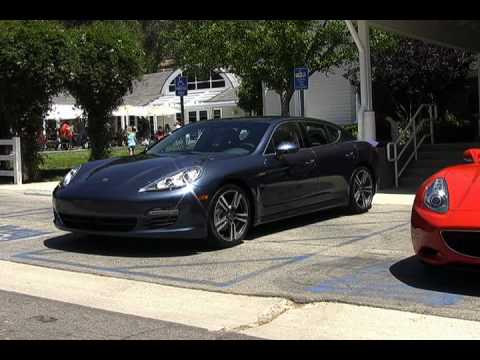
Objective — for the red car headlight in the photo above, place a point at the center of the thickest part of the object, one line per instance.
(436, 196)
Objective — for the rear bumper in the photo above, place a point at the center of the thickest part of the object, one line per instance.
(173, 214)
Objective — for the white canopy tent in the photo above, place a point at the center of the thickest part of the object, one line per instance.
(453, 33)
(64, 112)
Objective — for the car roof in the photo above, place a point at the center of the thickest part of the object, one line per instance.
(264, 119)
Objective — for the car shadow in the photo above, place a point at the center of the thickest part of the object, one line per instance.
(126, 247)
(151, 248)
(453, 280)
(294, 222)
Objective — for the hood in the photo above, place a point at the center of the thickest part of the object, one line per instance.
(126, 174)
(463, 186)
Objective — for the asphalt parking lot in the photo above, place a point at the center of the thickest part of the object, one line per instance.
(329, 256)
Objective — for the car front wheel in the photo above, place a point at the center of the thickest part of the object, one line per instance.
(229, 217)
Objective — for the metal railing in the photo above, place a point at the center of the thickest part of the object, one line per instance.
(15, 157)
(415, 130)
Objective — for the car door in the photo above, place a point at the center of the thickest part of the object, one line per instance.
(286, 182)
(334, 161)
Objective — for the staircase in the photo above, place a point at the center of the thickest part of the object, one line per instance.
(432, 158)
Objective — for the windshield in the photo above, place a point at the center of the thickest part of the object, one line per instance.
(239, 138)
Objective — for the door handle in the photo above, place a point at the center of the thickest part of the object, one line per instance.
(309, 162)
(350, 154)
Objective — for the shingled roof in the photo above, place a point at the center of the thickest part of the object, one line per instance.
(227, 95)
(148, 89)
(144, 91)
(64, 99)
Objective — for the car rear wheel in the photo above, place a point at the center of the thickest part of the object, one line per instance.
(361, 190)
(229, 217)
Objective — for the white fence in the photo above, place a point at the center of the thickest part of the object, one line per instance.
(14, 157)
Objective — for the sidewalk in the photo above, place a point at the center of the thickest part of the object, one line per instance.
(39, 188)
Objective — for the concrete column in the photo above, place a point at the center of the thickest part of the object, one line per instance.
(368, 131)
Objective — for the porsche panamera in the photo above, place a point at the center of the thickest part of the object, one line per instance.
(217, 179)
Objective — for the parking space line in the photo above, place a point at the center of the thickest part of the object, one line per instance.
(34, 255)
(15, 233)
(21, 212)
(374, 234)
(374, 280)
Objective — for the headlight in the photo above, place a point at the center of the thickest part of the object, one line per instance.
(175, 181)
(71, 174)
(436, 196)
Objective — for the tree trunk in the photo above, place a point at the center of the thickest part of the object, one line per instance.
(285, 100)
(98, 135)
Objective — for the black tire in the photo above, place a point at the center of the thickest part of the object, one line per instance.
(362, 189)
(223, 212)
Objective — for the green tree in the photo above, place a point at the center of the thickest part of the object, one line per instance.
(408, 72)
(108, 57)
(34, 58)
(157, 41)
(266, 49)
(250, 96)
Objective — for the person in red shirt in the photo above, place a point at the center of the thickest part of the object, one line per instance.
(160, 134)
(66, 134)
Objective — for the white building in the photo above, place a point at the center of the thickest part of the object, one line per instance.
(330, 98)
(153, 98)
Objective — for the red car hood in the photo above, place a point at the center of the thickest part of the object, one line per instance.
(463, 186)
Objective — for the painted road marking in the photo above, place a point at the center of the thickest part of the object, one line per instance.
(376, 281)
(39, 256)
(12, 232)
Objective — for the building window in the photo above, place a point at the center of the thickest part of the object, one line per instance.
(192, 116)
(203, 115)
(212, 80)
(217, 113)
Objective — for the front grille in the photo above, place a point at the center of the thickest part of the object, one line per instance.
(159, 221)
(97, 223)
(463, 242)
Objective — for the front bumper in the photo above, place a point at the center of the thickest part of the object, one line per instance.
(429, 243)
(169, 214)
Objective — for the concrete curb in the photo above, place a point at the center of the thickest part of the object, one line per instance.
(267, 317)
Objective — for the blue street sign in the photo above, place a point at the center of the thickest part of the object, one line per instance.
(181, 86)
(301, 78)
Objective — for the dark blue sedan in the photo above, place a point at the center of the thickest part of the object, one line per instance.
(216, 179)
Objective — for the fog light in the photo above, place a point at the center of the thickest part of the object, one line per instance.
(163, 212)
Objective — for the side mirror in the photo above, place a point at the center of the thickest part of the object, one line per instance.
(472, 155)
(286, 148)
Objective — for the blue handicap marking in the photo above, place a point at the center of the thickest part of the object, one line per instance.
(12, 232)
(376, 281)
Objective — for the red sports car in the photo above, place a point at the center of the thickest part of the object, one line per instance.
(446, 215)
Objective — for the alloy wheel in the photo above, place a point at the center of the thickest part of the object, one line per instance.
(231, 215)
(363, 189)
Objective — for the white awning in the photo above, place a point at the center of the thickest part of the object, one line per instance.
(145, 111)
(455, 33)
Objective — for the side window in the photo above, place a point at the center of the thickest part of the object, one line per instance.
(316, 133)
(321, 134)
(333, 133)
(284, 133)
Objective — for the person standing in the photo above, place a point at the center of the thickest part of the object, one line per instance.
(160, 134)
(131, 141)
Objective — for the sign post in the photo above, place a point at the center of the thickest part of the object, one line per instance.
(301, 83)
(181, 89)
